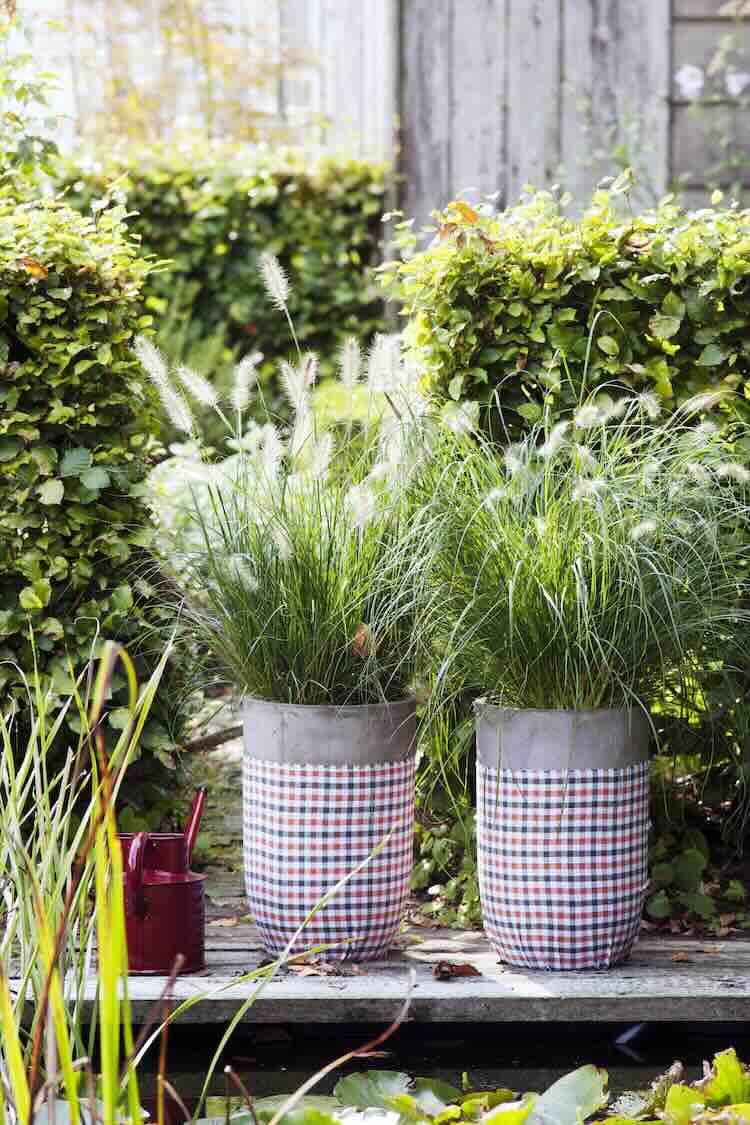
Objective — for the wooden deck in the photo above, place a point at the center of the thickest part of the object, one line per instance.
(664, 980)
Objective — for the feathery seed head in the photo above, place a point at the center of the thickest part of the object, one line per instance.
(362, 505)
(245, 378)
(152, 362)
(649, 404)
(730, 470)
(587, 416)
(274, 279)
(198, 387)
(350, 363)
(555, 441)
(642, 529)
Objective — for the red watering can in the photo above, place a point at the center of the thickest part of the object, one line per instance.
(164, 900)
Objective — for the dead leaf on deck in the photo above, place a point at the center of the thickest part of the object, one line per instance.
(447, 970)
(681, 957)
(233, 921)
(711, 949)
(319, 969)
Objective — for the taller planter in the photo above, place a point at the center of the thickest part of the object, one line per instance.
(562, 834)
(324, 787)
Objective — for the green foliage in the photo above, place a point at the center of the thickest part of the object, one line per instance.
(688, 888)
(529, 307)
(598, 564)
(446, 866)
(76, 436)
(212, 212)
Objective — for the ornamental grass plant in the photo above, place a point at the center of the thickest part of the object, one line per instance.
(599, 563)
(292, 549)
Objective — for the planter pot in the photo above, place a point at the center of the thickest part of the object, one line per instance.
(562, 834)
(323, 787)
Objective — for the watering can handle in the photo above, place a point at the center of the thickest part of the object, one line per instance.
(134, 873)
(194, 821)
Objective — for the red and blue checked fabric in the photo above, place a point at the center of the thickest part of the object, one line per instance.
(308, 826)
(563, 863)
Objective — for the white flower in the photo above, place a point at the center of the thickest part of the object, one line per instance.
(274, 279)
(645, 527)
(736, 82)
(733, 471)
(245, 378)
(587, 416)
(461, 417)
(690, 79)
(350, 363)
(649, 404)
(362, 505)
(384, 371)
(555, 441)
(198, 387)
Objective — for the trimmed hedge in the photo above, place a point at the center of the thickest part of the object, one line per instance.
(528, 305)
(77, 431)
(212, 211)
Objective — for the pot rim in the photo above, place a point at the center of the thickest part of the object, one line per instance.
(484, 704)
(407, 705)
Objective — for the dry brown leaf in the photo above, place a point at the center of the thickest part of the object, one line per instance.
(681, 957)
(230, 921)
(447, 970)
(711, 949)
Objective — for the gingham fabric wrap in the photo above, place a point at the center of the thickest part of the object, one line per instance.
(306, 827)
(562, 863)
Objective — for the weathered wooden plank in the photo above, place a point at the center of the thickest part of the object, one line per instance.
(704, 9)
(479, 59)
(426, 105)
(708, 981)
(705, 145)
(697, 43)
(534, 65)
(379, 80)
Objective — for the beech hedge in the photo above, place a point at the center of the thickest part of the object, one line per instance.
(211, 211)
(77, 434)
(530, 307)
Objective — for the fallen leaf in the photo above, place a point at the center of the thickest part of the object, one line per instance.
(710, 949)
(681, 957)
(222, 921)
(317, 969)
(447, 970)
(36, 269)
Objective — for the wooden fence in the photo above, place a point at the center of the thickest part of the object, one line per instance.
(492, 94)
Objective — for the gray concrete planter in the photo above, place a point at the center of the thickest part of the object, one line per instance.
(562, 834)
(324, 787)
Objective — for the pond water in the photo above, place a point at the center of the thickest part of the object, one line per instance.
(274, 1060)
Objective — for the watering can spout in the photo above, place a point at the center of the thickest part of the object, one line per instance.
(194, 821)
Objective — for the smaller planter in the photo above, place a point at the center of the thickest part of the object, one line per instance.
(323, 787)
(562, 834)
